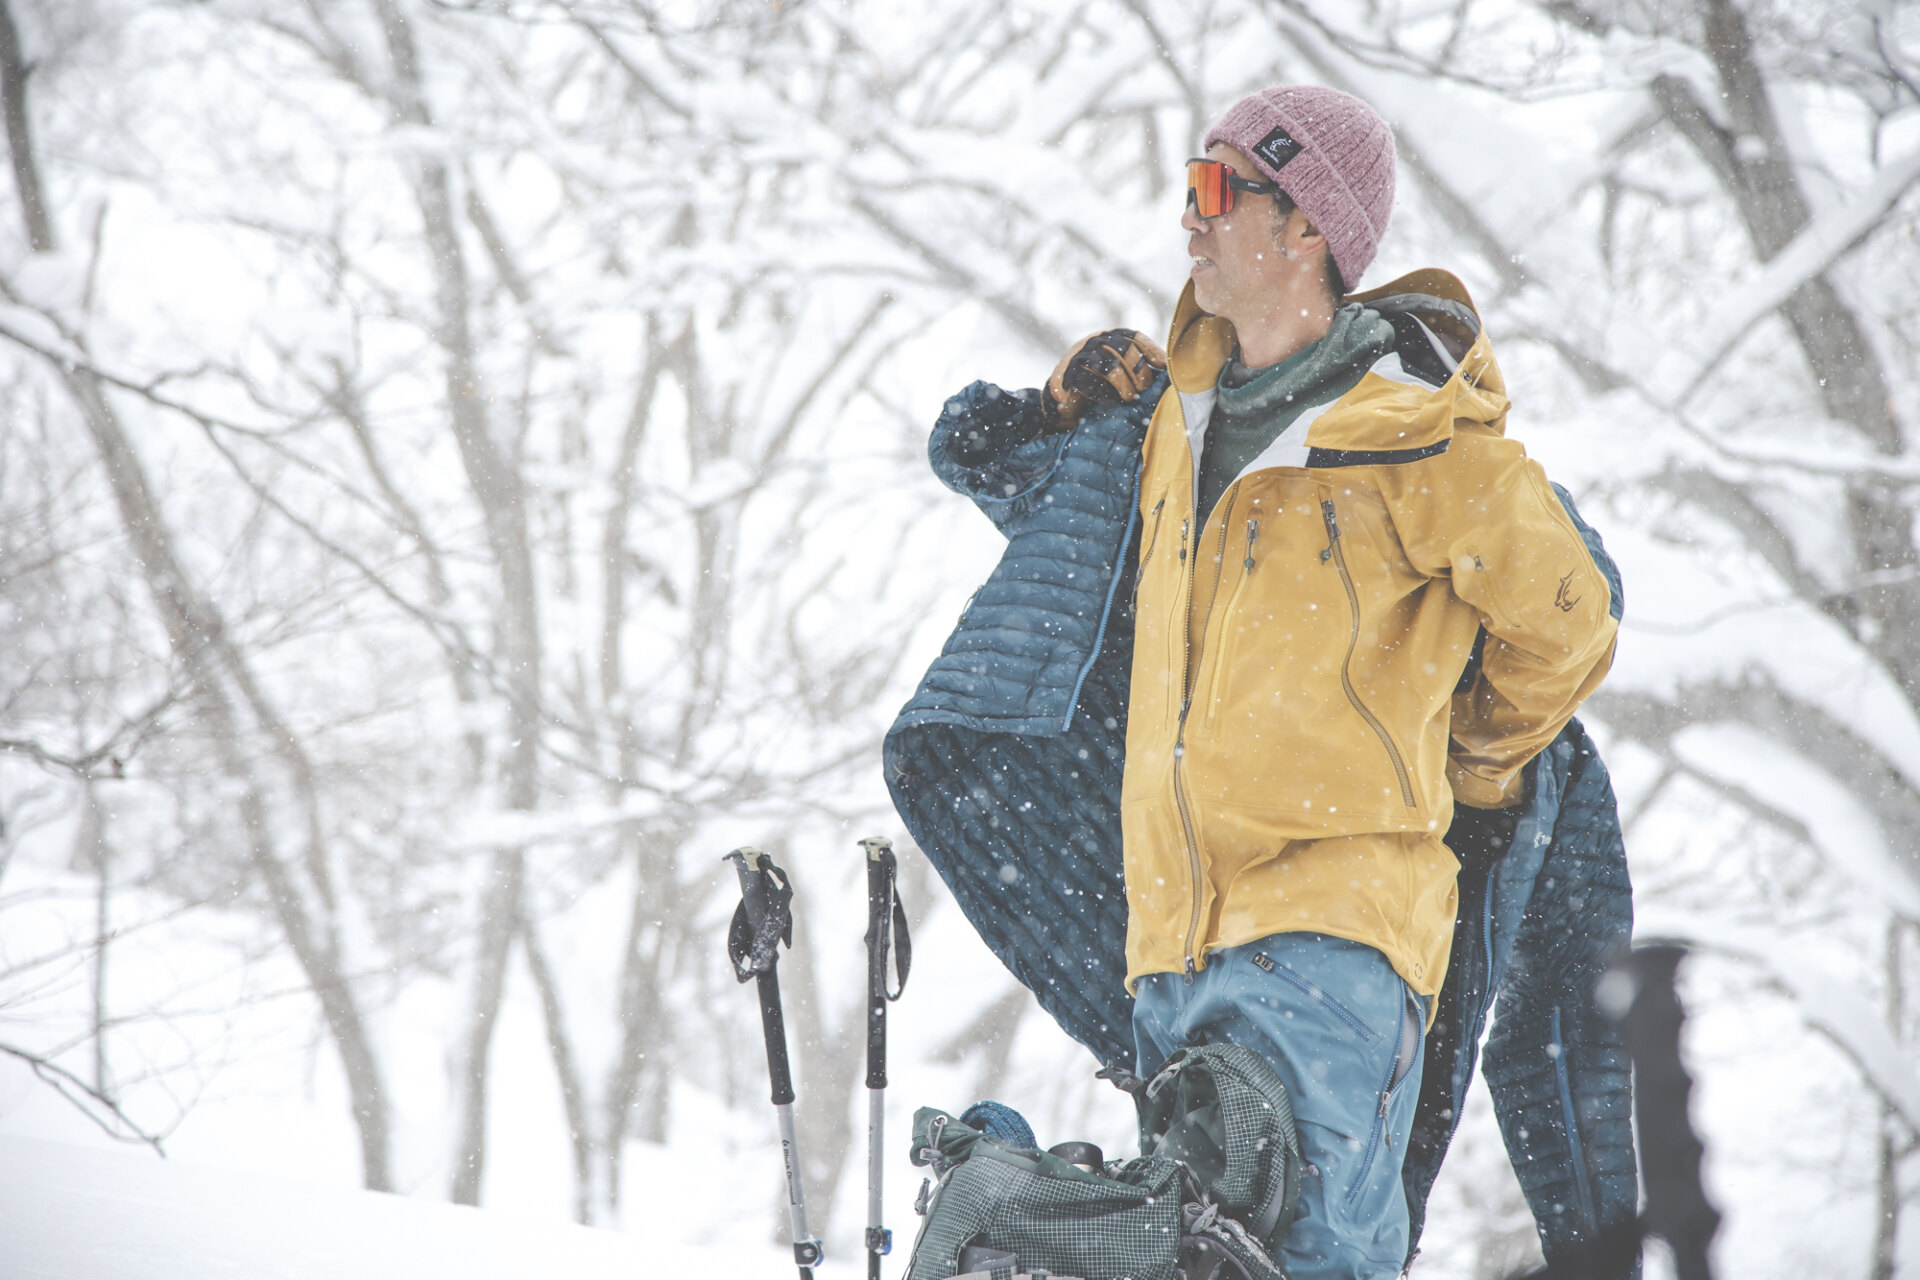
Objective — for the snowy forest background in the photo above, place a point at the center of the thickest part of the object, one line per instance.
(461, 472)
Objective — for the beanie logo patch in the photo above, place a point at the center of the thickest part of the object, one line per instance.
(1276, 149)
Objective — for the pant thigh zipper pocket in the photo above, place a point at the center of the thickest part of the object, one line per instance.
(1396, 1078)
(1332, 1006)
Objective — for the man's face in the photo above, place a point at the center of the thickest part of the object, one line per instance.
(1236, 263)
(1241, 272)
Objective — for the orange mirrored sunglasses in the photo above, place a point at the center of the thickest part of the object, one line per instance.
(1211, 184)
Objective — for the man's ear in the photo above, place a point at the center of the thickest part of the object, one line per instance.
(1309, 240)
(1298, 235)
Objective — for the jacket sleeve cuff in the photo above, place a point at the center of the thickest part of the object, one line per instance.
(1476, 792)
(981, 426)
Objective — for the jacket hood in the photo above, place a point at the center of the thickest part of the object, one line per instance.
(1441, 369)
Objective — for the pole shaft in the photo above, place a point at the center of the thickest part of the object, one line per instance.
(790, 1154)
(876, 1144)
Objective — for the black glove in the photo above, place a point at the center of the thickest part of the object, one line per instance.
(996, 422)
(1105, 368)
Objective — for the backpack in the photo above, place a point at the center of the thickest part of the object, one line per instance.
(1211, 1196)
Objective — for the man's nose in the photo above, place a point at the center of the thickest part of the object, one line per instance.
(1190, 218)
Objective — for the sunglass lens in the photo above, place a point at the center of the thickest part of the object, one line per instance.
(1207, 188)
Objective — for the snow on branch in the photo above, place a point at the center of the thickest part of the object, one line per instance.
(1769, 776)
(1827, 1004)
(1540, 310)
(1818, 246)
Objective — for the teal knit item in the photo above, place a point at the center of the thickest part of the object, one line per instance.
(1256, 405)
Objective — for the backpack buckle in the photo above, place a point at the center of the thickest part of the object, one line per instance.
(1122, 1079)
(1166, 1073)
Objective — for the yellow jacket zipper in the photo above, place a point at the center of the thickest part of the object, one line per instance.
(1194, 869)
(1339, 557)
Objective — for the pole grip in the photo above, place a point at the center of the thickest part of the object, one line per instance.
(879, 922)
(757, 901)
(773, 1025)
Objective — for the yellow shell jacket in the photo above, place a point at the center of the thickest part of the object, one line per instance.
(1293, 711)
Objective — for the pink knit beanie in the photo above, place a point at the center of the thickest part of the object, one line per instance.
(1330, 153)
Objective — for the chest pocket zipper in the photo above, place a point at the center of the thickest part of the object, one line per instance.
(1335, 552)
(1226, 636)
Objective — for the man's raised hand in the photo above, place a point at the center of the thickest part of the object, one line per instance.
(1113, 367)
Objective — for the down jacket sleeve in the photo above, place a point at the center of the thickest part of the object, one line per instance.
(1545, 903)
(988, 444)
(1483, 515)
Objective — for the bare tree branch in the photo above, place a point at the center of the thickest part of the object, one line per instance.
(91, 1103)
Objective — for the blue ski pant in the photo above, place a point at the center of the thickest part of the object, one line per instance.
(1345, 1035)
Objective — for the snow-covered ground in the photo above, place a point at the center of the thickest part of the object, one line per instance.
(69, 1212)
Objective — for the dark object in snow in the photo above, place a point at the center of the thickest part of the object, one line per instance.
(762, 923)
(886, 927)
(1678, 1210)
(1638, 993)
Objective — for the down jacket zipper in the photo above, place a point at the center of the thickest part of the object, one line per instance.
(1146, 556)
(1194, 869)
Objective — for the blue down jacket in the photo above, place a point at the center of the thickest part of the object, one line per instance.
(1006, 767)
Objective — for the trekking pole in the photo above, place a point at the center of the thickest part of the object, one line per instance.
(761, 923)
(883, 913)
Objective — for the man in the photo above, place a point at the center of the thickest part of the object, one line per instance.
(1353, 602)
